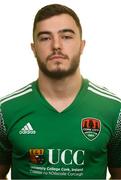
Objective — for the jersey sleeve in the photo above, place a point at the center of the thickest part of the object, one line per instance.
(114, 151)
(5, 146)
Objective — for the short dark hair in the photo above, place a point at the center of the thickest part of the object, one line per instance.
(53, 10)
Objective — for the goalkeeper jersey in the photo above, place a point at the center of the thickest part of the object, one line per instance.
(78, 143)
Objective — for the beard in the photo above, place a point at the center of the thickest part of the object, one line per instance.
(59, 73)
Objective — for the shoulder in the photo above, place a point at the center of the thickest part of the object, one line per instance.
(103, 100)
(17, 97)
(103, 93)
(16, 105)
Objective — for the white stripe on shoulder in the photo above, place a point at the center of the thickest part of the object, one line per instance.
(104, 95)
(15, 96)
(102, 89)
(16, 92)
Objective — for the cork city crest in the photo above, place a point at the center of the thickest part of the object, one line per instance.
(91, 128)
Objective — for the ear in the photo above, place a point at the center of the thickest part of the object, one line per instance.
(33, 48)
(82, 45)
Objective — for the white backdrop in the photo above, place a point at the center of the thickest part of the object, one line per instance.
(101, 59)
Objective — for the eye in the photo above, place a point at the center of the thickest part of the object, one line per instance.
(44, 38)
(67, 37)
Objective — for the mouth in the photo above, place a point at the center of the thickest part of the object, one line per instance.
(56, 57)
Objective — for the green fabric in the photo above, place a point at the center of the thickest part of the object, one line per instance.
(77, 143)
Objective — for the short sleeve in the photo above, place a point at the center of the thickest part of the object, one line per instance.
(114, 151)
(5, 146)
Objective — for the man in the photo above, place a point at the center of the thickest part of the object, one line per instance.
(61, 126)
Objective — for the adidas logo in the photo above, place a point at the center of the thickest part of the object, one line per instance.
(27, 129)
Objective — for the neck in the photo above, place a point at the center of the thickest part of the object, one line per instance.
(64, 88)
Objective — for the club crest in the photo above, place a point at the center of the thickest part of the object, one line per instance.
(91, 128)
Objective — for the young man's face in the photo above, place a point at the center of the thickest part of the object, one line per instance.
(57, 46)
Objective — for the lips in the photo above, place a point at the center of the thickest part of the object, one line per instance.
(56, 57)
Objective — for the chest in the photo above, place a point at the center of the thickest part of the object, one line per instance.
(71, 130)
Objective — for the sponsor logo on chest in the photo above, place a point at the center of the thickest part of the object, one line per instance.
(55, 156)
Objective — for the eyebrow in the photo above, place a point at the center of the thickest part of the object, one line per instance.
(67, 30)
(60, 31)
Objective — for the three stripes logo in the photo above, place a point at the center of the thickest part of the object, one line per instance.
(27, 129)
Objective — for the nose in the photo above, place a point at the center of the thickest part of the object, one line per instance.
(56, 44)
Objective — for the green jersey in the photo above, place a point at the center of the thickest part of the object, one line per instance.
(78, 143)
